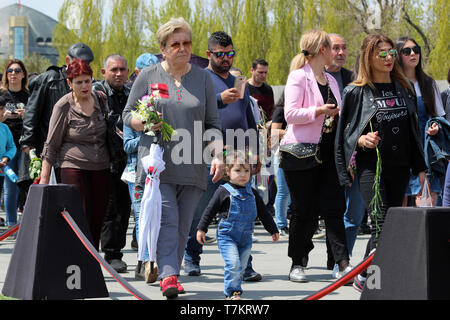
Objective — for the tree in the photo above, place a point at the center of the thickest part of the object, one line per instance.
(250, 40)
(36, 63)
(87, 28)
(127, 22)
(284, 36)
(440, 55)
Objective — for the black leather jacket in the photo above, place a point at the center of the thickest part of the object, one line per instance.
(45, 89)
(117, 100)
(357, 110)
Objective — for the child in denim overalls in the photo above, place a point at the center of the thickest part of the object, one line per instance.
(239, 205)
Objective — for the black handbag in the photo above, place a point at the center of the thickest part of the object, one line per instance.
(304, 156)
(114, 142)
(299, 156)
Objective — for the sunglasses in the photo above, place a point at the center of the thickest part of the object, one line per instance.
(407, 51)
(177, 44)
(221, 54)
(383, 54)
(16, 70)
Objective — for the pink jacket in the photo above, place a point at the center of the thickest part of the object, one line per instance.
(302, 97)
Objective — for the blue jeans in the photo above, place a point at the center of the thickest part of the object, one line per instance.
(282, 199)
(194, 249)
(234, 236)
(136, 201)
(11, 192)
(354, 213)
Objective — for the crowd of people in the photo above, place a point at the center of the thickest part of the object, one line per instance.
(330, 136)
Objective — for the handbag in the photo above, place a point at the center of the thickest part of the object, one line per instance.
(114, 142)
(302, 155)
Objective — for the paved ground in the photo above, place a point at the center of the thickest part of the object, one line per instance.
(270, 259)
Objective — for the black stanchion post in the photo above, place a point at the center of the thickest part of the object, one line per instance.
(49, 261)
(412, 259)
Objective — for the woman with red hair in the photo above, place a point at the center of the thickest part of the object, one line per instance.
(76, 140)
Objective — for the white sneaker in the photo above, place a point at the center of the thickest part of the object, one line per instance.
(336, 274)
(297, 274)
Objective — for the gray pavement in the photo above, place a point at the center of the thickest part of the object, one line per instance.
(269, 258)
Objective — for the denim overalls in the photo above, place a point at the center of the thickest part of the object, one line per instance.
(234, 236)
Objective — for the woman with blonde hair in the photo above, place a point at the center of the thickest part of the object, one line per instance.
(187, 97)
(312, 102)
(379, 116)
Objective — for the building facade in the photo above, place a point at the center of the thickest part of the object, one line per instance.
(24, 31)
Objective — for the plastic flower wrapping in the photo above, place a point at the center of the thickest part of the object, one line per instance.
(145, 111)
(35, 165)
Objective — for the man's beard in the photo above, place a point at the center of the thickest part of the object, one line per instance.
(220, 69)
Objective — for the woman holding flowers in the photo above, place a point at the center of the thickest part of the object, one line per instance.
(379, 121)
(77, 140)
(186, 101)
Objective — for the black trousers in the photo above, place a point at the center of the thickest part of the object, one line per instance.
(115, 225)
(393, 184)
(316, 192)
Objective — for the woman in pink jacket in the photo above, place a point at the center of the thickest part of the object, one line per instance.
(312, 102)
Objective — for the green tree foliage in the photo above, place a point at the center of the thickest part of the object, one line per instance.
(36, 63)
(85, 25)
(127, 22)
(440, 55)
(250, 40)
(268, 29)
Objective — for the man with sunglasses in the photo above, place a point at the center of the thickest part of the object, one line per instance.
(235, 113)
(113, 238)
(45, 90)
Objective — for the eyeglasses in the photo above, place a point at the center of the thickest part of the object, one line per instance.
(221, 54)
(407, 51)
(16, 70)
(177, 44)
(383, 54)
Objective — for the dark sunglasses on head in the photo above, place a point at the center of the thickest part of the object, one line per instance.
(221, 54)
(383, 54)
(407, 51)
(177, 44)
(16, 70)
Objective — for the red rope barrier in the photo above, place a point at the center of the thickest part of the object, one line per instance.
(363, 265)
(9, 232)
(99, 259)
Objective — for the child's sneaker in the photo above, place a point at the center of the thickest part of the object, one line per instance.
(235, 296)
(169, 287)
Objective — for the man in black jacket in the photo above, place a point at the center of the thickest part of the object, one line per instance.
(113, 237)
(45, 90)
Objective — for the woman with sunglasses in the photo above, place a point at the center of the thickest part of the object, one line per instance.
(15, 87)
(429, 104)
(379, 111)
(188, 101)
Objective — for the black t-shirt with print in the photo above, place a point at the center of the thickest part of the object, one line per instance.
(16, 100)
(391, 122)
